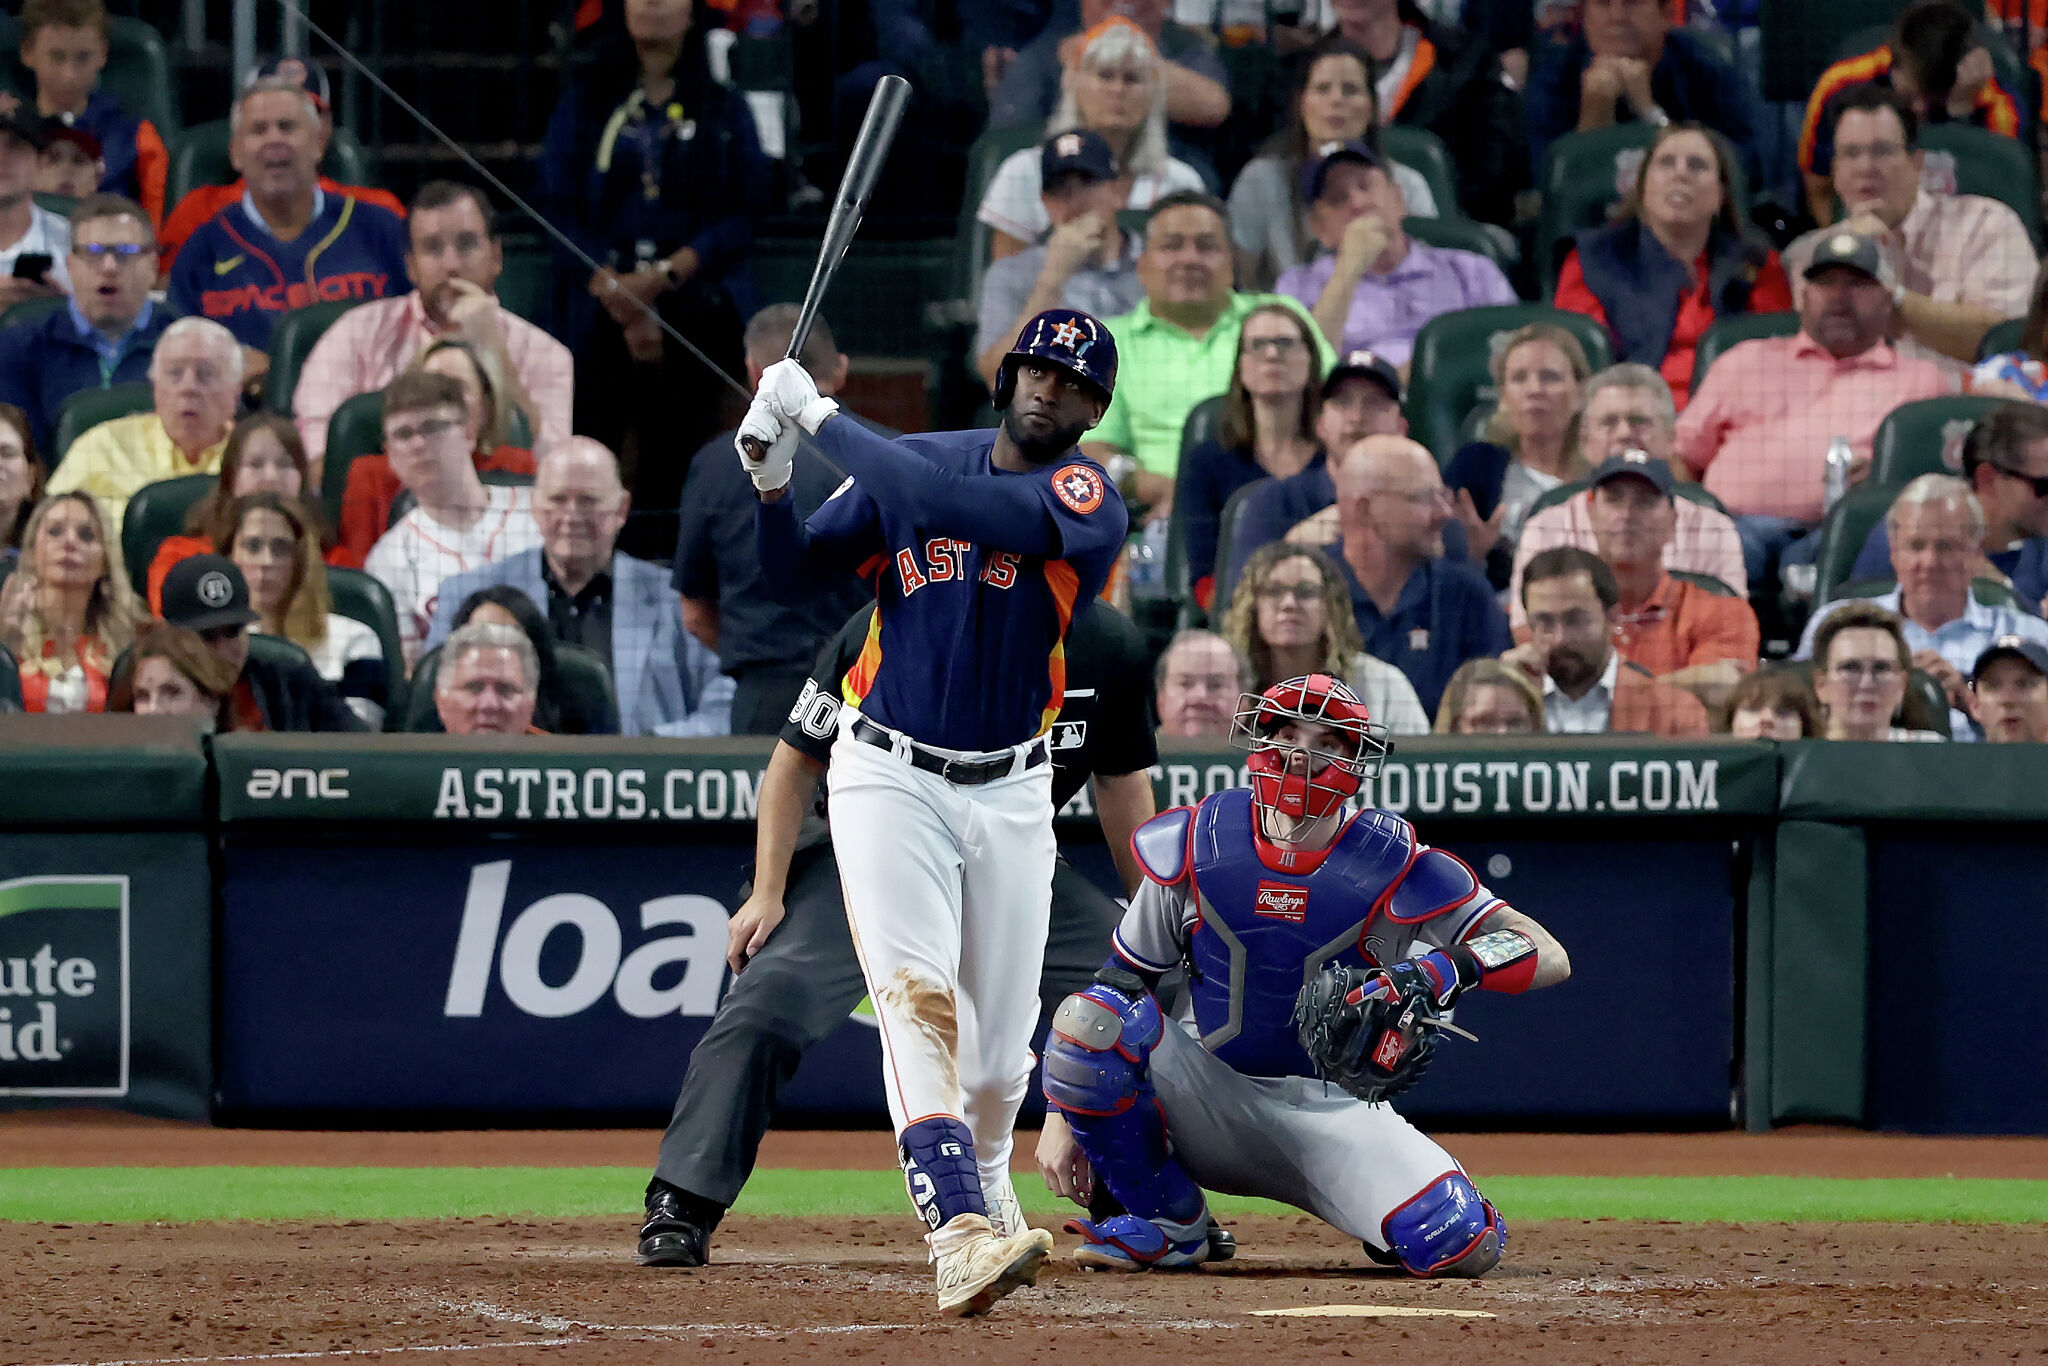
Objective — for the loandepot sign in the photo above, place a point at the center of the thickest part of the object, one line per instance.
(64, 986)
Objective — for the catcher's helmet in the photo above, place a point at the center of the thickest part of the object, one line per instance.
(1320, 782)
(1069, 339)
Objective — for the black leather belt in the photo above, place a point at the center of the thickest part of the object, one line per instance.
(965, 772)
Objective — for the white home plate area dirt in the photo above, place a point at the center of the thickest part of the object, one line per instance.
(517, 1290)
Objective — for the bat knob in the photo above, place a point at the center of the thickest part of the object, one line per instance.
(756, 452)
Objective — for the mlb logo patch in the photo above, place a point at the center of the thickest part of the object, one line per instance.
(1069, 735)
(1278, 901)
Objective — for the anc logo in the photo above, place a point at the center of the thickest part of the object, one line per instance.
(1079, 487)
(64, 986)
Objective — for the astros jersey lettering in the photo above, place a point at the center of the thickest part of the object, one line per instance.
(965, 650)
(235, 272)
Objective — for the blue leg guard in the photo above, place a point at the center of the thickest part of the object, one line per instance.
(1446, 1229)
(937, 1157)
(1096, 1060)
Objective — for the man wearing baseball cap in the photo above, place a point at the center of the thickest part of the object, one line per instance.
(1688, 631)
(71, 162)
(1087, 263)
(26, 228)
(1361, 397)
(1372, 286)
(2009, 691)
(202, 202)
(207, 594)
(1758, 427)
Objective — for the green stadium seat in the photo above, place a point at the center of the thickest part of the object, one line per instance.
(2009, 335)
(155, 514)
(1987, 164)
(357, 428)
(1842, 534)
(1925, 437)
(1227, 569)
(1203, 420)
(88, 408)
(1925, 706)
(31, 310)
(1985, 592)
(290, 343)
(59, 204)
(1424, 153)
(1585, 177)
(1462, 234)
(137, 74)
(587, 704)
(360, 597)
(971, 249)
(1451, 371)
(526, 285)
(10, 681)
(200, 157)
(1723, 333)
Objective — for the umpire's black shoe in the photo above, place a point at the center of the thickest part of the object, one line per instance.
(1222, 1243)
(671, 1236)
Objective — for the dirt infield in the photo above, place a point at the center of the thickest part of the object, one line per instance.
(786, 1290)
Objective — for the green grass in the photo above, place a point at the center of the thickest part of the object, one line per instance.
(185, 1194)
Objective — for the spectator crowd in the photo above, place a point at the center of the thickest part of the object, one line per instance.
(1524, 368)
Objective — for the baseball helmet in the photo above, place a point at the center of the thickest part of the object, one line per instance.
(1069, 339)
(1292, 779)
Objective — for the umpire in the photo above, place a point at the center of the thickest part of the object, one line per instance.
(800, 982)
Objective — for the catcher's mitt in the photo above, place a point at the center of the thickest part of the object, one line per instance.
(1372, 1031)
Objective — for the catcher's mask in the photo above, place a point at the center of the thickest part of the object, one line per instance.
(1304, 783)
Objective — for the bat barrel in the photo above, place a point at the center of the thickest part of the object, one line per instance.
(863, 169)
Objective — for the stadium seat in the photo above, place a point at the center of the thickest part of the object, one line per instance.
(360, 597)
(526, 285)
(155, 514)
(290, 343)
(59, 204)
(10, 681)
(1584, 179)
(1462, 234)
(1451, 371)
(1925, 437)
(88, 408)
(1227, 569)
(277, 650)
(971, 248)
(357, 428)
(1424, 153)
(587, 704)
(1203, 420)
(1987, 164)
(1723, 333)
(2006, 336)
(31, 310)
(199, 156)
(1842, 534)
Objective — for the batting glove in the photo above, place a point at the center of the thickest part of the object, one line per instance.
(763, 425)
(789, 388)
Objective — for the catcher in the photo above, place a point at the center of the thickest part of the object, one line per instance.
(1321, 948)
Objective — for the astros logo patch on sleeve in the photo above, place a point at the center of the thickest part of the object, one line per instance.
(1079, 487)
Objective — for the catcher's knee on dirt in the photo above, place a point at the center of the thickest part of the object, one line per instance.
(1446, 1229)
(1097, 1057)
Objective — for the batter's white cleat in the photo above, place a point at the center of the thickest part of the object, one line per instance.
(1004, 1212)
(987, 1267)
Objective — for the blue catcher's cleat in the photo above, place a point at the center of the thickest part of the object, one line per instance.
(1124, 1242)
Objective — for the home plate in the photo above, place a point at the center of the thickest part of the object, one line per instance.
(1369, 1311)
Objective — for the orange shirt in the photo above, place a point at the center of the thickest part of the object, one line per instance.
(202, 202)
(1682, 624)
(373, 488)
(35, 684)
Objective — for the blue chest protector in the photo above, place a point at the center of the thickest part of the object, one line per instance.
(1264, 931)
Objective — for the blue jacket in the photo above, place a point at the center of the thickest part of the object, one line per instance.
(1690, 82)
(45, 362)
(666, 681)
(1639, 283)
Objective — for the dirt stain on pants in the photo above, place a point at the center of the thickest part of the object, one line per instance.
(930, 1008)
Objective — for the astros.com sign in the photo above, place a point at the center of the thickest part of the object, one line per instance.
(677, 973)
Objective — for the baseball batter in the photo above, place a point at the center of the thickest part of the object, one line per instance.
(981, 546)
(1317, 945)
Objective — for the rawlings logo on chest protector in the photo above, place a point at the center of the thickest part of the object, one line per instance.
(1278, 901)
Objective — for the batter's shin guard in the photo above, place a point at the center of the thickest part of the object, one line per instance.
(937, 1156)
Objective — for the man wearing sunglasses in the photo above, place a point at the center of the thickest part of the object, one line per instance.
(2005, 458)
(106, 332)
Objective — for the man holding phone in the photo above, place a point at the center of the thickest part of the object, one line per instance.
(33, 241)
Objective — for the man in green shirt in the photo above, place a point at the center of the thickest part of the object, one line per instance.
(1179, 345)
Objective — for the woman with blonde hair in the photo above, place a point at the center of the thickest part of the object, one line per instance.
(1529, 447)
(273, 543)
(1487, 697)
(489, 395)
(67, 610)
(1291, 615)
(1117, 88)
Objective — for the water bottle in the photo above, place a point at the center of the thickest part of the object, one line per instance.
(1837, 480)
(1145, 565)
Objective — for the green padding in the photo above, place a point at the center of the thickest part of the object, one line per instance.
(1818, 973)
(44, 894)
(93, 772)
(1874, 781)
